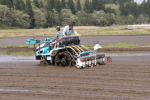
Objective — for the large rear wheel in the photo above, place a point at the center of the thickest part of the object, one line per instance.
(63, 59)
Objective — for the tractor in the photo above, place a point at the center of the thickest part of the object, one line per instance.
(66, 51)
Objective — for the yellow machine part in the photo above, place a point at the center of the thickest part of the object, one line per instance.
(78, 48)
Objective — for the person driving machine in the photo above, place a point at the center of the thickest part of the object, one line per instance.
(68, 30)
(58, 35)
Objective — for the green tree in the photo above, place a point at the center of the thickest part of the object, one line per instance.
(50, 4)
(98, 17)
(71, 6)
(68, 17)
(41, 4)
(78, 6)
(132, 7)
(53, 19)
(94, 2)
(39, 18)
(21, 19)
(36, 3)
(143, 18)
(56, 18)
(104, 22)
(91, 9)
(29, 11)
(6, 2)
(63, 4)
(6, 16)
(17, 4)
(136, 10)
(113, 11)
(100, 5)
(127, 9)
(84, 18)
(148, 7)
(116, 1)
(141, 9)
(87, 6)
(57, 6)
(10, 3)
(22, 6)
(130, 19)
(110, 18)
(122, 8)
(108, 10)
(2, 2)
(144, 6)
(48, 22)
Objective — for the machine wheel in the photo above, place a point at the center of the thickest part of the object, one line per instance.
(63, 59)
(102, 62)
(41, 62)
(92, 65)
(44, 63)
(79, 67)
(73, 63)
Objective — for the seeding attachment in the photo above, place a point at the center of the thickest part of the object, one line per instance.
(90, 61)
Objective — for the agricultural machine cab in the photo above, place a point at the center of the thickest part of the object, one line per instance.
(67, 51)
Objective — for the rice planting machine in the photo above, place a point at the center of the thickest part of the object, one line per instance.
(67, 51)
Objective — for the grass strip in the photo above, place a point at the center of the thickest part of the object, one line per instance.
(16, 45)
(122, 45)
(84, 30)
(87, 45)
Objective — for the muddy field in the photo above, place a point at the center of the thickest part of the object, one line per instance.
(103, 40)
(126, 78)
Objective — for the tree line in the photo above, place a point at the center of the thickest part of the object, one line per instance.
(50, 13)
(136, 13)
(116, 1)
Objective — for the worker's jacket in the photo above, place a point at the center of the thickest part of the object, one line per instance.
(58, 36)
(67, 32)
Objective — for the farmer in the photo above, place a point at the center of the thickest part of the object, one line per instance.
(58, 35)
(68, 30)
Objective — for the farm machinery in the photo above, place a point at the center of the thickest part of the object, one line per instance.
(67, 51)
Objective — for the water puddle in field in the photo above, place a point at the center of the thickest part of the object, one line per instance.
(31, 58)
(6, 58)
(17, 56)
(129, 54)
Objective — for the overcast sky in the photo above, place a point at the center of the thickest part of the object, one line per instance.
(138, 1)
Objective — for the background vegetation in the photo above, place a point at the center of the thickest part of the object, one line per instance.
(50, 13)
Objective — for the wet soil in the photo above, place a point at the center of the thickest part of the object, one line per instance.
(125, 78)
(106, 49)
